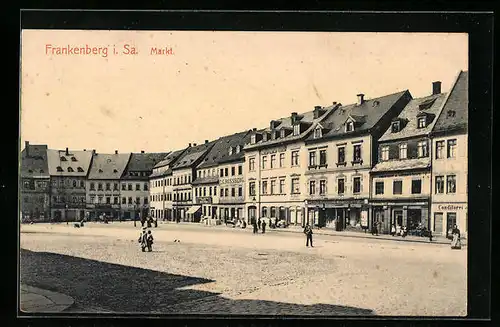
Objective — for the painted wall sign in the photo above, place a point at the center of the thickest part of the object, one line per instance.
(232, 180)
(451, 207)
(273, 150)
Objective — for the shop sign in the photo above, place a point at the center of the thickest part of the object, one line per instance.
(232, 180)
(204, 200)
(364, 218)
(273, 150)
(450, 207)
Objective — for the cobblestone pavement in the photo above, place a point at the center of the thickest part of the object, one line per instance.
(233, 271)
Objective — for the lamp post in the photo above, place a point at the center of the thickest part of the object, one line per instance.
(306, 213)
(135, 214)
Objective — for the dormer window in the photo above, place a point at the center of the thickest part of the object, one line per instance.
(318, 133)
(349, 127)
(421, 122)
(73, 159)
(63, 159)
(230, 150)
(100, 170)
(70, 170)
(451, 113)
(296, 129)
(59, 169)
(238, 148)
(396, 126)
(282, 133)
(253, 139)
(115, 171)
(264, 137)
(80, 169)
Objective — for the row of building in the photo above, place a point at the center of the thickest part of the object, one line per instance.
(395, 159)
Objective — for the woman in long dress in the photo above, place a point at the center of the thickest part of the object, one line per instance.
(455, 243)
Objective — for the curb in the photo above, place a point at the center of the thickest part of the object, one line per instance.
(39, 300)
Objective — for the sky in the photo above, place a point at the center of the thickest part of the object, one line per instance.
(211, 83)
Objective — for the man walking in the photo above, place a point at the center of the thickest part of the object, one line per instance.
(263, 227)
(309, 235)
(254, 225)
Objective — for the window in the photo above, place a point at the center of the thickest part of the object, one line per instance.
(145, 186)
(63, 158)
(395, 126)
(317, 133)
(340, 186)
(349, 127)
(138, 200)
(92, 186)
(341, 155)
(240, 191)
(264, 211)
(296, 129)
(397, 187)
(273, 212)
(384, 153)
(439, 149)
(108, 186)
(124, 187)
(99, 186)
(129, 187)
(251, 188)
(273, 186)
(421, 123)
(451, 184)
(357, 153)
(422, 149)
(137, 187)
(74, 183)
(226, 171)
(130, 200)
(99, 199)
(282, 186)
(282, 159)
(253, 139)
(210, 191)
(233, 171)
(145, 200)
(59, 169)
(196, 192)
(403, 151)
(295, 186)
(356, 185)
(204, 191)
(264, 187)
(215, 190)
(451, 148)
(226, 192)
(70, 169)
(82, 184)
(264, 162)
(295, 158)
(379, 187)
(222, 171)
(312, 159)
(124, 200)
(273, 161)
(416, 186)
(251, 164)
(322, 157)
(115, 200)
(240, 170)
(322, 187)
(108, 200)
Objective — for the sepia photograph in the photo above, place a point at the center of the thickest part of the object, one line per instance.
(286, 173)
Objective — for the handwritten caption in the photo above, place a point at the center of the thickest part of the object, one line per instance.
(105, 51)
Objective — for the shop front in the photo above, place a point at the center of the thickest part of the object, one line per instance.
(412, 215)
(338, 215)
(446, 215)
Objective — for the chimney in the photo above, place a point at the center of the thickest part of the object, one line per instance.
(206, 141)
(67, 152)
(84, 149)
(294, 117)
(116, 151)
(142, 151)
(194, 144)
(189, 145)
(436, 87)
(317, 112)
(27, 148)
(254, 129)
(93, 151)
(334, 102)
(361, 99)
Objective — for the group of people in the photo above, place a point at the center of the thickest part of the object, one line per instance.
(146, 240)
(149, 221)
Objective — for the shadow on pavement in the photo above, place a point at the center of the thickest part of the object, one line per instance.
(124, 289)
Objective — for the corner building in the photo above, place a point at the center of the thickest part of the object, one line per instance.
(276, 160)
(340, 154)
(450, 161)
(401, 180)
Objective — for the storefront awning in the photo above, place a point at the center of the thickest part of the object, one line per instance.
(193, 209)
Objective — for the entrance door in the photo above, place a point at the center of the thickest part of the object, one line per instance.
(451, 220)
(398, 218)
(414, 218)
(57, 215)
(379, 216)
(438, 223)
(340, 219)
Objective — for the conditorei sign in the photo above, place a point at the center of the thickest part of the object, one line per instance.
(451, 207)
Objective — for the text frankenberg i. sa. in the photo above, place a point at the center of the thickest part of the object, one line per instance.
(102, 51)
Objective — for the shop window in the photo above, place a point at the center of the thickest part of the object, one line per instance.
(264, 211)
(416, 186)
(451, 221)
(397, 187)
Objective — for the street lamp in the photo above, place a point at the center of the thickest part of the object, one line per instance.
(66, 214)
(135, 214)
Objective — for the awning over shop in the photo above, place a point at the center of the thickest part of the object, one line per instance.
(193, 209)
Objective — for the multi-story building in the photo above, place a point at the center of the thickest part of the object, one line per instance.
(339, 154)
(161, 187)
(276, 160)
(400, 183)
(449, 161)
(135, 184)
(68, 171)
(35, 183)
(219, 184)
(103, 185)
(183, 174)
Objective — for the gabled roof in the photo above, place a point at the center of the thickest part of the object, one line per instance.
(410, 115)
(79, 166)
(168, 159)
(192, 155)
(219, 153)
(36, 164)
(458, 101)
(167, 172)
(142, 163)
(368, 114)
(400, 165)
(108, 166)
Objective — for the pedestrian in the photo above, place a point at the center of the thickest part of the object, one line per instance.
(155, 221)
(430, 235)
(455, 243)
(259, 223)
(143, 239)
(263, 227)
(148, 220)
(309, 235)
(149, 241)
(378, 227)
(404, 232)
(393, 230)
(254, 225)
